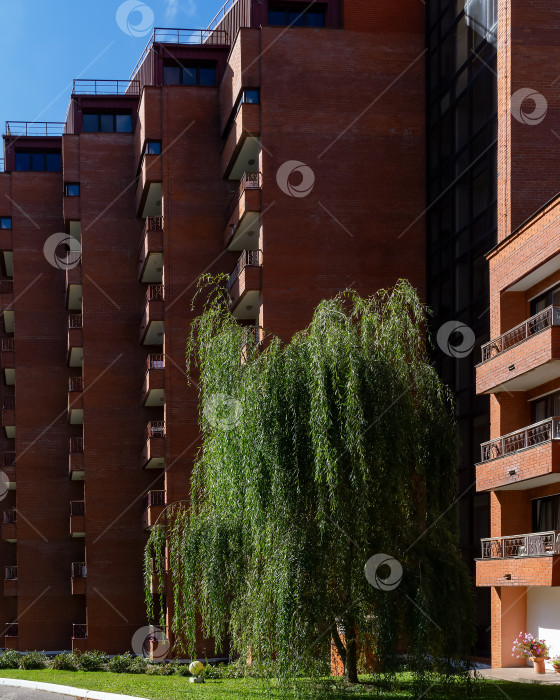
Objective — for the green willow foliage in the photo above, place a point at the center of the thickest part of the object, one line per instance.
(330, 449)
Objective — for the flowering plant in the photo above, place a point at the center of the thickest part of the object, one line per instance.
(556, 661)
(527, 646)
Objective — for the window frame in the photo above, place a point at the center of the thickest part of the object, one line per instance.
(39, 156)
(100, 115)
(191, 65)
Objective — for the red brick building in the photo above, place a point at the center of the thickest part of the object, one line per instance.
(278, 155)
(520, 369)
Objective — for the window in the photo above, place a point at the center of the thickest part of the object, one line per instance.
(294, 16)
(546, 514)
(72, 189)
(201, 74)
(107, 122)
(545, 300)
(546, 407)
(39, 161)
(153, 148)
(5, 222)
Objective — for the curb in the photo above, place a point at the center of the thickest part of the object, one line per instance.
(66, 690)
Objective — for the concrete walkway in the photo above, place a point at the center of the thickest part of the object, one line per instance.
(11, 689)
(520, 675)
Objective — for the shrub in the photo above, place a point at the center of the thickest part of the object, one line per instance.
(92, 661)
(120, 663)
(138, 665)
(33, 661)
(65, 662)
(10, 659)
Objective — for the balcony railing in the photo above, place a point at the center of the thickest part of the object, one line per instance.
(8, 402)
(76, 445)
(156, 361)
(9, 459)
(11, 629)
(77, 508)
(75, 321)
(9, 517)
(536, 544)
(8, 344)
(249, 181)
(536, 324)
(83, 86)
(75, 384)
(6, 287)
(35, 128)
(248, 258)
(533, 435)
(154, 498)
(10, 573)
(155, 292)
(79, 569)
(156, 429)
(79, 631)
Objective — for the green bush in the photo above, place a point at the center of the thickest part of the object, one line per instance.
(65, 662)
(120, 663)
(92, 661)
(33, 661)
(138, 665)
(10, 659)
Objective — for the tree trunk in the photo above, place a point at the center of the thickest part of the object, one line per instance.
(351, 660)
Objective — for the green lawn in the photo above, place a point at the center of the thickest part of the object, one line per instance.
(177, 687)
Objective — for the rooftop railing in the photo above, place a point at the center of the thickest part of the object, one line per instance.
(83, 86)
(248, 258)
(531, 436)
(537, 323)
(535, 544)
(34, 128)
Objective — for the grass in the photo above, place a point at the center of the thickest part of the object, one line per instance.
(179, 688)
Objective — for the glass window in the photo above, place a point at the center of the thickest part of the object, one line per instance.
(207, 76)
(189, 76)
(171, 75)
(315, 19)
(284, 16)
(91, 123)
(5, 222)
(252, 97)
(107, 123)
(153, 148)
(193, 74)
(276, 17)
(72, 190)
(123, 123)
(38, 162)
(53, 162)
(23, 161)
(546, 514)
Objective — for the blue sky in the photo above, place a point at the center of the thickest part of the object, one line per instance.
(48, 43)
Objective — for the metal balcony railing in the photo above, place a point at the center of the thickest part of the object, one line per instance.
(9, 459)
(79, 569)
(8, 344)
(535, 544)
(8, 402)
(11, 573)
(75, 383)
(77, 508)
(76, 445)
(11, 629)
(153, 224)
(79, 631)
(34, 128)
(536, 324)
(531, 436)
(156, 429)
(154, 498)
(9, 517)
(83, 86)
(156, 361)
(6, 287)
(75, 321)
(249, 181)
(248, 258)
(155, 292)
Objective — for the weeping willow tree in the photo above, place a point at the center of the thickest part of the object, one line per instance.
(318, 454)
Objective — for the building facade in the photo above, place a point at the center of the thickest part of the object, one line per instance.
(238, 149)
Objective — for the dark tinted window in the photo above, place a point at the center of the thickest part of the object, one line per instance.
(251, 97)
(39, 161)
(6, 222)
(189, 76)
(294, 16)
(172, 75)
(23, 161)
(207, 76)
(107, 123)
(193, 74)
(153, 148)
(72, 190)
(123, 123)
(91, 122)
(53, 162)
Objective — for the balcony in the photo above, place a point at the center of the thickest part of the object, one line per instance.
(243, 214)
(11, 636)
(153, 392)
(76, 459)
(244, 285)
(76, 400)
(7, 304)
(150, 259)
(78, 518)
(8, 361)
(242, 147)
(10, 470)
(520, 560)
(75, 341)
(154, 504)
(7, 250)
(9, 527)
(78, 578)
(79, 638)
(151, 326)
(524, 357)
(149, 188)
(153, 454)
(524, 459)
(74, 286)
(9, 415)
(10, 581)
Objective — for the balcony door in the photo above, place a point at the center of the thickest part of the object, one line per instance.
(540, 303)
(546, 514)
(545, 407)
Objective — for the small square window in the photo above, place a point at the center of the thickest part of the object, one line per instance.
(207, 76)
(91, 123)
(171, 75)
(53, 162)
(153, 148)
(5, 222)
(251, 97)
(107, 123)
(72, 190)
(23, 161)
(123, 123)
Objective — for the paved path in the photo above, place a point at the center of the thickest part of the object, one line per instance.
(521, 675)
(7, 693)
